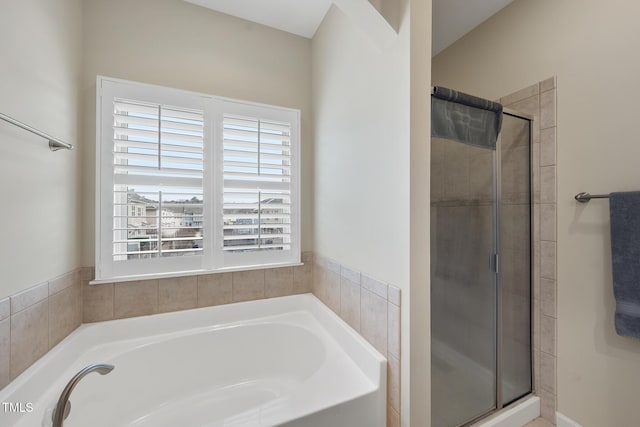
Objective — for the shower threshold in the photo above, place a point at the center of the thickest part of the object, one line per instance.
(516, 414)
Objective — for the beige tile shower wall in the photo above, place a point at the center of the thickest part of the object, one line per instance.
(539, 100)
(372, 308)
(36, 319)
(130, 299)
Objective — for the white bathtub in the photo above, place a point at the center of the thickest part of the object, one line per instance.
(284, 361)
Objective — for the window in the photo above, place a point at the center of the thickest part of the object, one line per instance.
(189, 182)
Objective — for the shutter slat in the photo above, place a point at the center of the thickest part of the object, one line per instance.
(121, 145)
(240, 227)
(173, 180)
(123, 120)
(120, 156)
(238, 184)
(241, 248)
(250, 139)
(241, 134)
(123, 157)
(180, 137)
(241, 237)
(198, 149)
(134, 107)
(235, 217)
(275, 140)
(169, 113)
(241, 205)
(175, 126)
(182, 251)
(285, 157)
(230, 153)
(127, 169)
(228, 163)
(244, 194)
(231, 147)
(255, 177)
(276, 127)
(180, 239)
(230, 120)
(126, 133)
(252, 163)
(260, 247)
(185, 160)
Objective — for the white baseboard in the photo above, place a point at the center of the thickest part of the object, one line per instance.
(563, 421)
(519, 415)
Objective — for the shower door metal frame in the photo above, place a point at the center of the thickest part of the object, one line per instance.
(497, 165)
(499, 327)
(497, 186)
(499, 315)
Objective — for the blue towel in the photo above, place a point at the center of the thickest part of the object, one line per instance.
(624, 211)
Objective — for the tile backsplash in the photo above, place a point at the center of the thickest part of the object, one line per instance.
(35, 320)
(372, 308)
(130, 299)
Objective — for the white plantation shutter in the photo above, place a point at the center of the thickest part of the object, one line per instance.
(158, 155)
(156, 140)
(257, 181)
(259, 171)
(152, 198)
(173, 196)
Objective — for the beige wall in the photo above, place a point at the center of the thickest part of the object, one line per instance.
(39, 82)
(188, 47)
(361, 154)
(419, 236)
(592, 48)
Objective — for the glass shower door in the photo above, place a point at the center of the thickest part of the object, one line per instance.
(481, 318)
(463, 282)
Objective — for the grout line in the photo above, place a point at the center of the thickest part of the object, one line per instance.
(197, 293)
(10, 344)
(113, 302)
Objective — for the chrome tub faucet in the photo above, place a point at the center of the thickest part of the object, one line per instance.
(63, 407)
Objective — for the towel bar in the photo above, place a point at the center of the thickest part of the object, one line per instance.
(54, 143)
(585, 197)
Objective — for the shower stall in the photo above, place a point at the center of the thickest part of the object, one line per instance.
(481, 273)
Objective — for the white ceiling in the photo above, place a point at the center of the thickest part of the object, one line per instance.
(301, 17)
(452, 19)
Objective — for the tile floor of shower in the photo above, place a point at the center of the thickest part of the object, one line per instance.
(467, 385)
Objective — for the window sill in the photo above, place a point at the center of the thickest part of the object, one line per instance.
(190, 273)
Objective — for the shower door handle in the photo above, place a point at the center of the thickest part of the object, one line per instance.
(493, 263)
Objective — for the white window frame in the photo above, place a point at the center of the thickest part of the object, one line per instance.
(213, 257)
